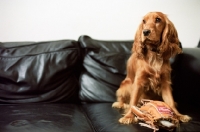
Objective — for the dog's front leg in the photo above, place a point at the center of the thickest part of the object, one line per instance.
(129, 117)
(168, 99)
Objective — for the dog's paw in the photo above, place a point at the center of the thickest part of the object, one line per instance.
(117, 105)
(127, 120)
(120, 105)
(184, 118)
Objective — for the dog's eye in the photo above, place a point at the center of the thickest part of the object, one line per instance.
(158, 20)
(144, 21)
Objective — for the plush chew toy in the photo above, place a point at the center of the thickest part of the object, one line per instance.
(155, 115)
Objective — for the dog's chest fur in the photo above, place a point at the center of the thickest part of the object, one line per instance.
(155, 63)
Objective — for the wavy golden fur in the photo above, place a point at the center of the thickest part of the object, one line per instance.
(148, 68)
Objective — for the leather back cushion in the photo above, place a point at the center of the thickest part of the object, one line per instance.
(39, 71)
(186, 77)
(104, 65)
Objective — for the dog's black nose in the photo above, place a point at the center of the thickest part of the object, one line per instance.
(146, 32)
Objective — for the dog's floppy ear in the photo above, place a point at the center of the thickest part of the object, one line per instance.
(138, 46)
(170, 45)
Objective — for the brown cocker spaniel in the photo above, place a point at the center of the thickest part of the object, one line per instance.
(148, 68)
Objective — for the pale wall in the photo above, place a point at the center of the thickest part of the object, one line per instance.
(41, 20)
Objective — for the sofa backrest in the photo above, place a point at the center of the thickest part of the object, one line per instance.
(50, 71)
(104, 65)
(33, 72)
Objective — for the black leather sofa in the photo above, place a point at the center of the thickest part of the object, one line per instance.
(69, 86)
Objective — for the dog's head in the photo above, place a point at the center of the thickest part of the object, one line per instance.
(158, 34)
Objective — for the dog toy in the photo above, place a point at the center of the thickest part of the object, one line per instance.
(155, 115)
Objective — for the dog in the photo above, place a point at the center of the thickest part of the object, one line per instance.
(148, 68)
